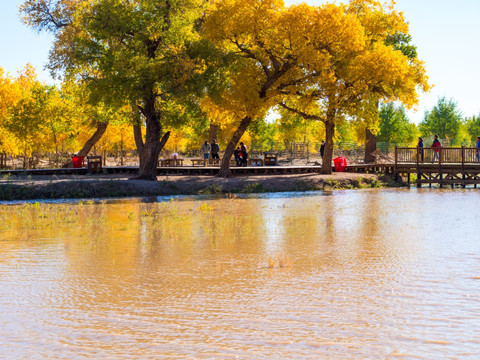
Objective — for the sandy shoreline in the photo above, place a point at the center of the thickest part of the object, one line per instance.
(121, 185)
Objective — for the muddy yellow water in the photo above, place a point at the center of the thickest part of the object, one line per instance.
(380, 274)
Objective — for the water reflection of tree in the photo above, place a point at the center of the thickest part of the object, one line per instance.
(306, 230)
(371, 243)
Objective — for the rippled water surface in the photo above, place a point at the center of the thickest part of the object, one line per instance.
(388, 274)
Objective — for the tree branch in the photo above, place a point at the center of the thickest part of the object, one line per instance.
(301, 113)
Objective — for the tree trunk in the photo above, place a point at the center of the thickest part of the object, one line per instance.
(237, 135)
(153, 145)
(97, 135)
(212, 135)
(370, 146)
(151, 159)
(57, 157)
(328, 153)
(137, 134)
(151, 149)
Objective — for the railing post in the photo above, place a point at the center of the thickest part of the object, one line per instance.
(417, 167)
(308, 153)
(463, 166)
(291, 153)
(396, 160)
(440, 165)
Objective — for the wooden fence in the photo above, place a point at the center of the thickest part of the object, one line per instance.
(441, 155)
(443, 166)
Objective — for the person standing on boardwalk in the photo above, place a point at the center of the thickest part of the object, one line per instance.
(215, 150)
(244, 153)
(420, 149)
(478, 148)
(236, 153)
(436, 149)
(322, 149)
(206, 148)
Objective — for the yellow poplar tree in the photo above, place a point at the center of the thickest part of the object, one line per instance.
(27, 118)
(268, 42)
(357, 76)
(9, 95)
(126, 51)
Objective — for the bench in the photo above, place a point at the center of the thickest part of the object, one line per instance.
(170, 162)
(199, 162)
(94, 164)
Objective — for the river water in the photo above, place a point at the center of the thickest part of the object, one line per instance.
(364, 274)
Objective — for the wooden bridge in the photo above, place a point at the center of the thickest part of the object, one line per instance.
(443, 166)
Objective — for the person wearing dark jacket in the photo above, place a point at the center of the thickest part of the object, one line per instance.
(243, 154)
(420, 149)
(478, 148)
(236, 154)
(214, 150)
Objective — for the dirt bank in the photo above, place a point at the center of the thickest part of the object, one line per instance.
(118, 185)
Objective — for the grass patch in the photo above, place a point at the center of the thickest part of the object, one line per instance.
(211, 190)
(301, 185)
(375, 183)
(333, 184)
(253, 188)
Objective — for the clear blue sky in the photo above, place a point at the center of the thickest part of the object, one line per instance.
(446, 33)
(20, 44)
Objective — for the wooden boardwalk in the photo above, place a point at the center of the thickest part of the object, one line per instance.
(201, 170)
(451, 166)
(446, 167)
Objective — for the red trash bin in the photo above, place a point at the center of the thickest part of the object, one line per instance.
(340, 164)
(78, 162)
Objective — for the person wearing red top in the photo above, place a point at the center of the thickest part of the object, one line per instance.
(243, 154)
(436, 149)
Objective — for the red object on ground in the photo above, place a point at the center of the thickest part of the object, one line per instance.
(78, 162)
(340, 164)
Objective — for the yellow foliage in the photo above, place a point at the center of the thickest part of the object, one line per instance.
(117, 137)
(334, 55)
(259, 33)
(353, 67)
(178, 141)
(9, 96)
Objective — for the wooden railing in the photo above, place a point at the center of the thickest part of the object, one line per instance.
(443, 155)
